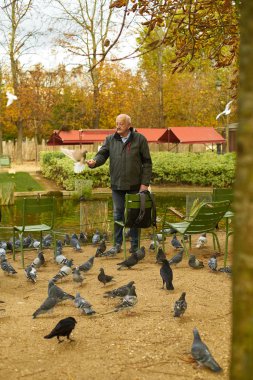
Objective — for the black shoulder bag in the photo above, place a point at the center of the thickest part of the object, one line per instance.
(142, 217)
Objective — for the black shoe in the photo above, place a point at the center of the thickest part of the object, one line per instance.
(133, 249)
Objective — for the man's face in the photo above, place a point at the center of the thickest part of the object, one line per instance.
(122, 126)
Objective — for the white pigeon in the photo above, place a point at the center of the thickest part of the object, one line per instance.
(202, 240)
(78, 156)
(226, 111)
(11, 97)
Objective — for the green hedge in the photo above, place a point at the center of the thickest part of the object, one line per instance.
(202, 169)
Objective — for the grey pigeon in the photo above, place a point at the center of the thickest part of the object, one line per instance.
(152, 246)
(84, 306)
(7, 267)
(101, 248)
(104, 278)
(95, 238)
(55, 292)
(31, 273)
(160, 256)
(122, 291)
(77, 277)
(195, 263)
(83, 238)
(180, 306)
(74, 242)
(167, 275)
(85, 267)
(175, 242)
(39, 260)
(46, 306)
(201, 353)
(2, 251)
(227, 270)
(59, 258)
(112, 251)
(177, 258)
(129, 262)
(128, 301)
(66, 240)
(212, 263)
(64, 271)
(140, 253)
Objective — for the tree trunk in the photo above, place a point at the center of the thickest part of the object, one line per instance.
(242, 336)
(19, 155)
(96, 108)
(160, 89)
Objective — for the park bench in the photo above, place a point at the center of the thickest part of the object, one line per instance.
(5, 161)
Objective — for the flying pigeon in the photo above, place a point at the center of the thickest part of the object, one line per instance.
(177, 258)
(226, 111)
(201, 353)
(175, 242)
(167, 275)
(63, 328)
(180, 306)
(84, 306)
(122, 291)
(212, 263)
(104, 278)
(195, 263)
(10, 98)
(128, 301)
(46, 306)
(55, 291)
(78, 156)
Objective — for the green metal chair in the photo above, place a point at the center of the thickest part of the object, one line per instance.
(39, 210)
(221, 194)
(133, 202)
(203, 221)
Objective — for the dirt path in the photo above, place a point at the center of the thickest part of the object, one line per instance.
(142, 344)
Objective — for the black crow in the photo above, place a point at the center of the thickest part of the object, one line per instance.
(167, 275)
(63, 328)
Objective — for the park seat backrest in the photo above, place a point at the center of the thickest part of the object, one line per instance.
(222, 194)
(42, 210)
(207, 217)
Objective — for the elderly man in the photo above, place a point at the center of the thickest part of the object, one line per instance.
(130, 170)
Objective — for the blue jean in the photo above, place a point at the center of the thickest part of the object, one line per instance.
(118, 197)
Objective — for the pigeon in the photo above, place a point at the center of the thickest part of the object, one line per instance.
(201, 353)
(66, 239)
(167, 275)
(212, 263)
(195, 263)
(78, 156)
(226, 111)
(202, 240)
(101, 248)
(152, 246)
(31, 273)
(60, 259)
(10, 98)
(180, 306)
(46, 306)
(64, 271)
(85, 267)
(226, 270)
(83, 238)
(83, 305)
(47, 241)
(27, 241)
(55, 292)
(74, 242)
(129, 262)
(104, 278)
(77, 277)
(128, 301)
(160, 256)
(112, 251)
(63, 328)
(140, 253)
(2, 252)
(119, 292)
(175, 242)
(95, 238)
(39, 260)
(177, 258)
(7, 267)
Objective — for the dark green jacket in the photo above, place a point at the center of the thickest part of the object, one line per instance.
(130, 163)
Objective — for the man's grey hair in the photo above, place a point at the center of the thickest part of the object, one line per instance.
(126, 117)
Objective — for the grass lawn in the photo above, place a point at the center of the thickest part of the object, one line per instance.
(23, 181)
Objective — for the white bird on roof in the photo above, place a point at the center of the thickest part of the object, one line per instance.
(226, 111)
(78, 156)
(11, 97)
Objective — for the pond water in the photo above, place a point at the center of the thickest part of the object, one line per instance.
(96, 214)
